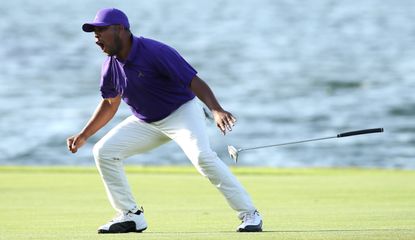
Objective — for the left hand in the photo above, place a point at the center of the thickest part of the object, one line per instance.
(224, 120)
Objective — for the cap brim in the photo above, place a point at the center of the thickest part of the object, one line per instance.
(89, 27)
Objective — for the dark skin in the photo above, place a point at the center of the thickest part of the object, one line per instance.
(115, 40)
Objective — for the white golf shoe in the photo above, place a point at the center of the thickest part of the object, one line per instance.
(124, 223)
(251, 222)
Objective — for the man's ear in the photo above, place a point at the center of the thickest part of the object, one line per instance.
(117, 28)
(121, 27)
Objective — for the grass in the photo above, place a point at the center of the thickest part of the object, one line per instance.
(70, 203)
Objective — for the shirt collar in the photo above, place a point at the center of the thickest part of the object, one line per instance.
(133, 51)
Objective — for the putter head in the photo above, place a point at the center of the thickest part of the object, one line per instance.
(233, 153)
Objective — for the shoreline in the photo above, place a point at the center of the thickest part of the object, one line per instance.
(243, 170)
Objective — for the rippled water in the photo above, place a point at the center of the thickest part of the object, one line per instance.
(289, 70)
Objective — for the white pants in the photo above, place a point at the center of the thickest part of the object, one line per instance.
(186, 126)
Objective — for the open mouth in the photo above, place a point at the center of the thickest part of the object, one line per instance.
(100, 44)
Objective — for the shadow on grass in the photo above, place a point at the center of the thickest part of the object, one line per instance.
(294, 231)
(343, 230)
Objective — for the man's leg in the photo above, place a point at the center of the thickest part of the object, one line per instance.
(186, 126)
(130, 137)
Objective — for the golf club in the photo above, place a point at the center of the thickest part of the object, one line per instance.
(234, 152)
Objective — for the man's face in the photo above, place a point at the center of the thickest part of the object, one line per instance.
(108, 39)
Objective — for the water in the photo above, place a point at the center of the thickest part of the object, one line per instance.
(289, 70)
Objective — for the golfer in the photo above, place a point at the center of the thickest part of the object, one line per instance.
(160, 88)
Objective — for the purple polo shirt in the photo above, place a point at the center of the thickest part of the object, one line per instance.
(154, 80)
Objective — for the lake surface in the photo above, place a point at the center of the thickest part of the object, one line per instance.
(288, 69)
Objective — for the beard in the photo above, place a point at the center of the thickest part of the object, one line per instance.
(116, 48)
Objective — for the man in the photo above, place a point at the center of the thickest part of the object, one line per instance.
(160, 88)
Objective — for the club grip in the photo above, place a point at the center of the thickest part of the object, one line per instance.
(359, 132)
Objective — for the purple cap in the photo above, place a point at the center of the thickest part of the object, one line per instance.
(107, 17)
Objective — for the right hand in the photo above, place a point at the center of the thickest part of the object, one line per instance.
(75, 142)
(224, 120)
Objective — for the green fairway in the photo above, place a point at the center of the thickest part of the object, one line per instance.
(70, 203)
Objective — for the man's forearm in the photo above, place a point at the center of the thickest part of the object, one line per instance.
(102, 115)
(224, 119)
(205, 94)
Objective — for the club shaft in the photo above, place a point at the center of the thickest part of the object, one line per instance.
(344, 134)
(289, 143)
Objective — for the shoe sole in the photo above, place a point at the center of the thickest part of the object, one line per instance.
(257, 228)
(101, 231)
(249, 230)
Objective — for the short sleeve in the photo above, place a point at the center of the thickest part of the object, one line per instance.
(107, 86)
(172, 64)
